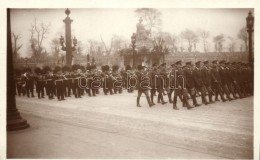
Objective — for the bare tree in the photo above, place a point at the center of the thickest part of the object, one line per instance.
(38, 34)
(191, 37)
(218, 40)
(242, 34)
(151, 16)
(232, 44)
(170, 40)
(204, 36)
(16, 46)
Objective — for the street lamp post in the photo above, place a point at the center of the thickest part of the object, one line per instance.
(250, 30)
(14, 119)
(68, 47)
(133, 40)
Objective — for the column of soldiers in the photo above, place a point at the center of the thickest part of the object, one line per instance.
(228, 80)
(64, 81)
(222, 79)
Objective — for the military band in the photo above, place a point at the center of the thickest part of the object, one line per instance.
(204, 79)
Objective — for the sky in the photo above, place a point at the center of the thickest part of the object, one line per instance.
(94, 23)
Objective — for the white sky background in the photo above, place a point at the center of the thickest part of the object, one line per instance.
(91, 23)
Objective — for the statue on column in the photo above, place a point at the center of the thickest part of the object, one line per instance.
(142, 35)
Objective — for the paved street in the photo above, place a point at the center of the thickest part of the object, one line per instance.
(113, 127)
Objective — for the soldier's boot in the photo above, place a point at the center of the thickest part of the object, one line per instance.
(204, 100)
(210, 98)
(163, 102)
(222, 97)
(174, 103)
(152, 99)
(186, 102)
(149, 101)
(138, 102)
(216, 97)
(170, 97)
(195, 103)
(32, 94)
(181, 98)
(159, 98)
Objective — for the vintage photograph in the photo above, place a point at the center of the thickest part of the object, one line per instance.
(130, 83)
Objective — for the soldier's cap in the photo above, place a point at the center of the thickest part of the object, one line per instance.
(172, 65)
(188, 63)
(215, 61)
(198, 62)
(178, 62)
(223, 61)
(206, 62)
(140, 67)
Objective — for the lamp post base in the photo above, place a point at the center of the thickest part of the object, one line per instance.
(15, 121)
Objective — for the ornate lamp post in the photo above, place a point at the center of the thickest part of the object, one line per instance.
(68, 47)
(133, 40)
(250, 30)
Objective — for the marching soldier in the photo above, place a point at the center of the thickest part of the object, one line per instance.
(198, 79)
(216, 81)
(180, 86)
(230, 79)
(117, 80)
(40, 82)
(143, 85)
(29, 82)
(224, 79)
(50, 87)
(58, 81)
(75, 81)
(206, 78)
(190, 84)
(67, 82)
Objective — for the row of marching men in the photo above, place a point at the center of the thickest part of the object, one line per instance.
(206, 79)
(67, 81)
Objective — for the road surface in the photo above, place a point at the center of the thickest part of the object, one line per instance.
(113, 127)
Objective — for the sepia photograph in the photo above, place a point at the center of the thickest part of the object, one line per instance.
(130, 83)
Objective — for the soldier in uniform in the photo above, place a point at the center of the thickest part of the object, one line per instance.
(58, 82)
(234, 78)
(206, 78)
(40, 82)
(117, 80)
(50, 87)
(224, 79)
(230, 79)
(143, 85)
(180, 87)
(75, 80)
(170, 80)
(67, 82)
(198, 79)
(161, 82)
(19, 81)
(190, 84)
(216, 81)
(29, 82)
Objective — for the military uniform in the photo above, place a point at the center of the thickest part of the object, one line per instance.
(190, 84)
(206, 78)
(180, 86)
(142, 86)
(199, 85)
